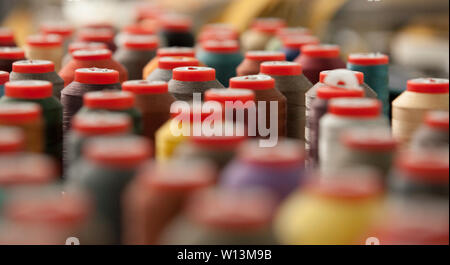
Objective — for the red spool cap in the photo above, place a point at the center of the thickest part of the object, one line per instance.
(126, 151)
(33, 66)
(355, 107)
(97, 35)
(6, 35)
(268, 25)
(110, 100)
(98, 76)
(170, 63)
(349, 184)
(321, 50)
(11, 139)
(235, 210)
(428, 85)
(221, 46)
(359, 75)
(28, 89)
(82, 45)
(427, 166)
(326, 92)
(253, 82)
(101, 123)
(285, 153)
(178, 175)
(437, 120)
(64, 30)
(297, 42)
(222, 95)
(176, 23)
(143, 87)
(100, 54)
(12, 53)
(145, 42)
(265, 56)
(176, 51)
(137, 29)
(26, 169)
(368, 58)
(280, 68)
(373, 139)
(50, 40)
(19, 112)
(4, 77)
(194, 74)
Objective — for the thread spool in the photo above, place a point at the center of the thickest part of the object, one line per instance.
(292, 45)
(176, 31)
(276, 43)
(12, 140)
(433, 133)
(103, 35)
(107, 167)
(133, 30)
(38, 70)
(318, 109)
(89, 125)
(65, 31)
(217, 32)
(135, 53)
(7, 37)
(317, 58)
(8, 55)
(218, 148)
(81, 45)
(85, 80)
(192, 79)
(45, 47)
(320, 213)
(91, 58)
(4, 77)
(27, 117)
(153, 101)
(375, 67)
(216, 217)
(344, 113)
(237, 104)
(409, 109)
(290, 81)
(279, 169)
(368, 91)
(40, 92)
(373, 147)
(253, 59)
(158, 194)
(166, 51)
(166, 65)
(264, 88)
(223, 56)
(260, 33)
(114, 101)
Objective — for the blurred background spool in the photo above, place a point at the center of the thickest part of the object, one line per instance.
(104, 35)
(8, 55)
(64, 30)
(260, 33)
(166, 64)
(253, 59)
(408, 109)
(292, 45)
(433, 133)
(163, 52)
(7, 37)
(4, 77)
(276, 43)
(176, 31)
(12, 140)
(45, 47)
(81, 45)
(27, 117)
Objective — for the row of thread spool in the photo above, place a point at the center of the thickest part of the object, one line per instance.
(108, 165)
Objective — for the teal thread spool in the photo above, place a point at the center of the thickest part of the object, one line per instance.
(224, 56)
(375, 67)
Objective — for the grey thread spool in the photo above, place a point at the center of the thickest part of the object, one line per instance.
(341, 78)
(290, 81)
(189, 80)
(433, 133)
(166, 65)
(373, 147)
(37, 70)
(86, 80)
(135, 53)
(344, 113)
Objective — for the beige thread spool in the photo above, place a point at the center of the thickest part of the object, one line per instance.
(45, 47)
(409, 109)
